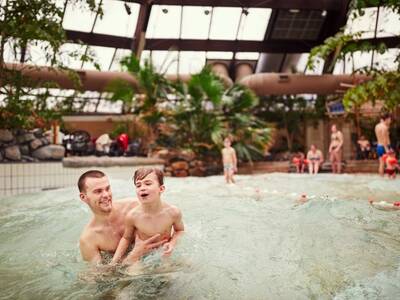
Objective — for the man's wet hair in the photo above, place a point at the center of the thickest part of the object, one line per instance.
(88, 174)
(385, 115)
(141, 173)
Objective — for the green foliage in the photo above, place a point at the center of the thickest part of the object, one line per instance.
(289, 113)
(27, 23)
(384, 85)
(196, 115)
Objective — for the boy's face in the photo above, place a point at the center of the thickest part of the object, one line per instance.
(148, 189)
(227, 143)
(97, 194)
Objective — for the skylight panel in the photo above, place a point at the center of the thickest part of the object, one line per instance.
(254, 24)
(73, 62)
(388, 23)
(247, 55)
(196, 22)
(191, 62)
(78, 18)
(165, 62)
(103, 56)
(386, 60)
(219, 55)
(365, 23)
(164, 22)
(224, 23)
(119, 55)
(119, 19)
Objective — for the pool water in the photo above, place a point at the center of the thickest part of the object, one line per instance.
(243, 241)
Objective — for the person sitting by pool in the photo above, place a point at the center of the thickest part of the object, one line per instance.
(314, 159)
(300, 162)
(104, 231)
(229, 160)
(365, 147)
(391, 163)
(383, 205)
(152, 216)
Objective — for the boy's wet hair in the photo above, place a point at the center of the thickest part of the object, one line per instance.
(386, 115)
(143, 172)
(88, 174)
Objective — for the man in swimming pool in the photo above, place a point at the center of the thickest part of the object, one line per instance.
(106, 228)
(382, 135)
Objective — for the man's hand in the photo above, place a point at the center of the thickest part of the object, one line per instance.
(168, 248)
(143, 247)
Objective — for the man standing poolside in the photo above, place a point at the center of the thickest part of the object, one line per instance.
(106, 228)
(382, 135)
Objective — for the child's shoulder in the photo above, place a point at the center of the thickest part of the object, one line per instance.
(172, 210)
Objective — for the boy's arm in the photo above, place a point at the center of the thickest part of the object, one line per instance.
(125, 240)
(179, 229)
(234, 158)
(89, 251)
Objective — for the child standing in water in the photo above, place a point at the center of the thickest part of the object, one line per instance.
(152, 216)
(229, 161)
(391, 163)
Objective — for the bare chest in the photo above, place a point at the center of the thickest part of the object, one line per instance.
(109, 237)
(148, 226)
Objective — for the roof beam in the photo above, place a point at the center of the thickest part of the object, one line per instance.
(284, 4)
(272, 46)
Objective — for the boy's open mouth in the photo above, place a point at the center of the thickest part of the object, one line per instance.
(144, 195)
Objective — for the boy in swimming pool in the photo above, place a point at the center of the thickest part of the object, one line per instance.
(151, 217)
(229, 160)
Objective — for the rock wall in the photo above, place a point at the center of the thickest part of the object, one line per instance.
(183, 163)
(27, 146)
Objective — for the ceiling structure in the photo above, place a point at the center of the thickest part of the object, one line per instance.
(182, 36)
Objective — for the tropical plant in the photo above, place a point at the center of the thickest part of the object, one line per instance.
(25, 24)
(383, 85)
(195, 115)
(289, 113)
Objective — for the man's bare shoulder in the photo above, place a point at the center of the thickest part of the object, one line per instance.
(88, 235)
(125, 205)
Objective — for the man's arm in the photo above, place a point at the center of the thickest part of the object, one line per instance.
(89, 250)
(179, 229)
(125, 240)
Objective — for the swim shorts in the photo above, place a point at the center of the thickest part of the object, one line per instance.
(390, 172)
(380, 150)
(228, 167)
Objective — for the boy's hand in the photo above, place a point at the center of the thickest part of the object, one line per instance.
(168, 248)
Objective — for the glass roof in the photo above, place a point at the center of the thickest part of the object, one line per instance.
(118, 19)
(198, 23)
(223, 28)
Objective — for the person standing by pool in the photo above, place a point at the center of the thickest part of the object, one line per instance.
(229, 160)
(383, 138)
(314, 159)
(152, 216)
(106, 228)
(335, 149)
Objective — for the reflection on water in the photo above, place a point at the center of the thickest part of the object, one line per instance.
(248, 241)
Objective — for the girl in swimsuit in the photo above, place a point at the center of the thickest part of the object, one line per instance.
(335, 149)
